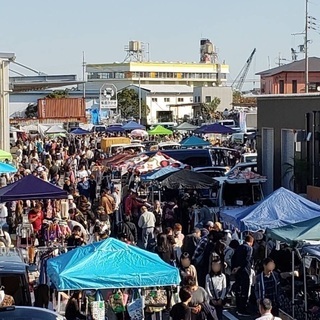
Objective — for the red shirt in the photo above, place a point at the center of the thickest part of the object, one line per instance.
(38, 222)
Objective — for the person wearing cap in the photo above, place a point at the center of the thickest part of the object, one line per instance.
(71, 203)
(268, 284)
(265, 309)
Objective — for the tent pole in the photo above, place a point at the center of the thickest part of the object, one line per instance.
(292, 278)
(305, 289)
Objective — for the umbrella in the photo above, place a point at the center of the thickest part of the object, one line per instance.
(112, 129)
(139, 133)
(7, 168)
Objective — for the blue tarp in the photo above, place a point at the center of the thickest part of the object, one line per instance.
(280, 208)
(312, 250)
(31, 188)
(80, 131)
(159, 173)
(7, 168)
(194, 141)
(132, 125)
(110, 264)
(302, 231)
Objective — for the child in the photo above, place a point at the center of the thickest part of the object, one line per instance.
(216, 287)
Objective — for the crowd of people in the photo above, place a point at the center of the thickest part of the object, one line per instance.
(215, 267)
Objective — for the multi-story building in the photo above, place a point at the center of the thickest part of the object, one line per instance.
(136, 71)
(165, 73)
(290, 78)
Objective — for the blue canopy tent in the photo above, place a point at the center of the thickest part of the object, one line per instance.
(280, 208)
(31, 188)
(110, 264)
(308, 230)
(159, 173)
(200, 130)
(217, 128)
(80, 131)
(7, 168)
(113, 129)
(194, 141)
(132, 125)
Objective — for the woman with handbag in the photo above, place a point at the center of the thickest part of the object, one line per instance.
(216, 287)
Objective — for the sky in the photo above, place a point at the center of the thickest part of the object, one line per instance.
(50, 36)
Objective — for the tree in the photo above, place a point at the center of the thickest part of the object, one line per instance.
(128, 104)
(31, 111)
(58, 94)
(212, 106)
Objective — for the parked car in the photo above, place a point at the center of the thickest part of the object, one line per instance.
(244, 166)
(213, 172)
(249, 157)
(28, 313)
(14, 277)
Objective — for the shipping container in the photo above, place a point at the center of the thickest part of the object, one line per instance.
(61, 108)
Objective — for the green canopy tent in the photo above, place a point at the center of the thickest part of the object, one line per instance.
(308, 230)
(159, 130)
(4, 155)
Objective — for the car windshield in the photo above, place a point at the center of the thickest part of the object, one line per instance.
(28, 314)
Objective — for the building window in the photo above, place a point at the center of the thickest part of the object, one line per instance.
(154, 99)
(180, 99)
(294, 86)
(208, 99)
(281, 86)
(166, 99)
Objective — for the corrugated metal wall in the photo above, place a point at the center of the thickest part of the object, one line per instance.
(61, 108)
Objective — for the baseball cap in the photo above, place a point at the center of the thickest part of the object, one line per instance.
(70, 197)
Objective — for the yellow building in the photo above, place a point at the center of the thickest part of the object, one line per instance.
(160, 73)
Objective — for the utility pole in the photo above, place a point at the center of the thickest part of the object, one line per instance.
(306, 66)
(84, 74)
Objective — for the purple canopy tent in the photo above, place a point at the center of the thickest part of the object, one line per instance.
(31, 188)
(217, 128)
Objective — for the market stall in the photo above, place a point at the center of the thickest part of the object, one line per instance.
(294, 234)
(194, 142)
(282, 207)
(110, 264)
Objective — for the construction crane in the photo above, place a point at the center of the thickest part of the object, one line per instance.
(241, 77)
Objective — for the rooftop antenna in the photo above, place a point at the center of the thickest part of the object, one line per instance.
(84, 73)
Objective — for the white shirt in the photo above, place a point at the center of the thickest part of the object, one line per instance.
(147, 220)
(268, 316)
(117, 199)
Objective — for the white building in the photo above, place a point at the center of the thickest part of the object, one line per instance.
(161, 98)
(207, 94)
